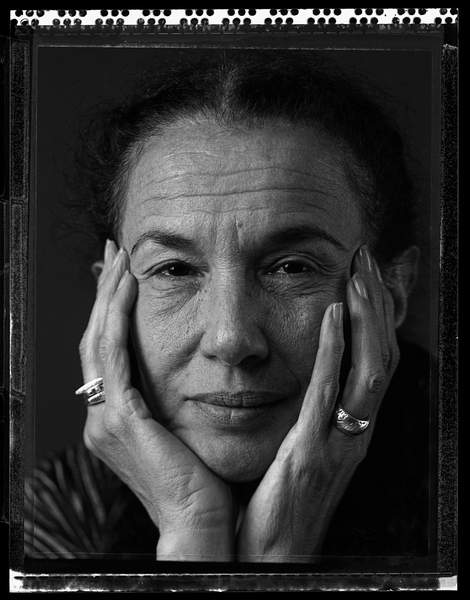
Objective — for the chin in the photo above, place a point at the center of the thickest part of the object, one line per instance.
(240, 473)
(235, 460)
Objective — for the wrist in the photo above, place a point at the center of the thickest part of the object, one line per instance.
(292, 534)
(196, 544)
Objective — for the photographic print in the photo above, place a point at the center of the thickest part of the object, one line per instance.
(231, 278)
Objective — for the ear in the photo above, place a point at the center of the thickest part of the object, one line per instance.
(97, 268)
(400, 277)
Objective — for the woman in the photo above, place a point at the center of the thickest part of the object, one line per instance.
(258, 261)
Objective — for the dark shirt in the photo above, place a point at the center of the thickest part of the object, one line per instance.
(75, 507)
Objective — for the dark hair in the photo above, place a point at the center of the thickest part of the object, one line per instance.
(253, 87)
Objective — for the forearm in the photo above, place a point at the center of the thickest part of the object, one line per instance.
(294, 529)
(294, 544)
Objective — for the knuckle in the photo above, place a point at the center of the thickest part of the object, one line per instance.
(114, 423)
(113, 309)
(386, 357)
(393, 360)
(106, 347)
(335, 346)
(375, 381)
(353, 452)
(103, 348)
(100, 435)
(360, 451)
(89, 442)
(93, 437)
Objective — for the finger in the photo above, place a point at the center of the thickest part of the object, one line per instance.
(117, 376)
(90, 344)
(370, 273)
(114, 267)
(110, 251)
(320, 398)
(366, 380)
(389, 312)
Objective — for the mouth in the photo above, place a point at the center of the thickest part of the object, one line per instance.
(242, 399)
(232, 409)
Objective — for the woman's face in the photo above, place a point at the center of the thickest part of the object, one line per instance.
(239, 240)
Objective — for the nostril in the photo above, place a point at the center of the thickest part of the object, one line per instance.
(247, 362)
(235, 348)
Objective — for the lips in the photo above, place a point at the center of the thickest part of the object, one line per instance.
(241, 399)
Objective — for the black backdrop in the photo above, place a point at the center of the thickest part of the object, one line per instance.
(73, 79)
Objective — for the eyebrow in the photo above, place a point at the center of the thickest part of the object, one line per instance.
(289, 235)
(301, 233)
(166, 238)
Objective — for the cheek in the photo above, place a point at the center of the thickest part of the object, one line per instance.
(294, 329)
(158, 335)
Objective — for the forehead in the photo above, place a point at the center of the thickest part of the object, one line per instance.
(200, 174)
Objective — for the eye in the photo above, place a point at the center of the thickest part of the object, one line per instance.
(175, 269)
(292, 267)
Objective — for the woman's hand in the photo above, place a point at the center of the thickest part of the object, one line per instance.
(191, 507)
(290, 511)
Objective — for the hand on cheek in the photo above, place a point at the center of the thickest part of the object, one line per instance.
(316, 460)
(189, 505)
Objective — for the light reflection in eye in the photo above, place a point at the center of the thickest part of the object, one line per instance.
(294, 267)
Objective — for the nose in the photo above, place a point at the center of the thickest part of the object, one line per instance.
(233, 333)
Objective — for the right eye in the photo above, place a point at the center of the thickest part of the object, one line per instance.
(175, 269)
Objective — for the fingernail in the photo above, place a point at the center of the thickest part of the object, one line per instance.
(118, 256)
(106, 250)
(359, 285)
(337, 312)
(377, 270)
(366, 258)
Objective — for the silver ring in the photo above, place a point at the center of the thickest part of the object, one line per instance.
(96, 399)
(349, 424)
(92, 391)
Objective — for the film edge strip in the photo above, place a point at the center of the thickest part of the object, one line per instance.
(240, 18)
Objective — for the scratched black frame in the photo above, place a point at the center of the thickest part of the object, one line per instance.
(19, 285)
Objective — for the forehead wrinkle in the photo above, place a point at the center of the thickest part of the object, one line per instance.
(334, 165)
(235, 193)
(332, 174)
(221, 174)
(191, 153)
(186, 168)
(227, 211)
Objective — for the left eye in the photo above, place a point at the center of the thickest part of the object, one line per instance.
(292, 267)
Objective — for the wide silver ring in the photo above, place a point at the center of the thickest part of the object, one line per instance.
(92, 391)
(349, 424)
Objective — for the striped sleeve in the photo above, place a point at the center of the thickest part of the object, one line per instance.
(73, 507)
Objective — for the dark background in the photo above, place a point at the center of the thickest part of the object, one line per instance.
(70, 81)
